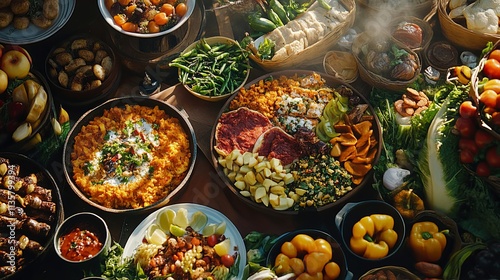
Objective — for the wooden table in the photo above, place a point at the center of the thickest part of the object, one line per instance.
(205, 187)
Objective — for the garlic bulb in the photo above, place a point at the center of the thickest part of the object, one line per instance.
(394, 177)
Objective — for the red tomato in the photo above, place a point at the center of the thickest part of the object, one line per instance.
(493, 157)
(482, 169)
(467, 144)
(467, 109)
(495, 54)
(488, 98)
(492, 68)
(227, 260)
(482, 138)
(212, 240)
(466, 156)
(495, 118)
(466, 127)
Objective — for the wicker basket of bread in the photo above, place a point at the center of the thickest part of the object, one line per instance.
(385, 62)
(416, 8)
(469, 26)
(308, 36)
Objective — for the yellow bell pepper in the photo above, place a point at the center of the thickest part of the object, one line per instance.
(373, 236)
(427, 242)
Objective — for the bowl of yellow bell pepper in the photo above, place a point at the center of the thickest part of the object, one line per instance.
(433, 238)
(308, 253)
(371, 230)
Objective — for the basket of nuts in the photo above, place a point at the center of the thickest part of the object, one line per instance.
(82, 70)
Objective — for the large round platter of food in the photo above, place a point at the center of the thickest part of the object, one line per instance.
(187, 241)
(30, 211)
(30, 21)
(130, 154)
(295, 141)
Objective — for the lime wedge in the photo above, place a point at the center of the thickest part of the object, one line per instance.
(181, 218)
(209, 229)
(165, 218)
(155, 235)
(221, 228)
(198, 221)
(177, 230)
(223, 248)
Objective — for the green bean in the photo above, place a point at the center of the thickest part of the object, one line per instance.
(212, 70)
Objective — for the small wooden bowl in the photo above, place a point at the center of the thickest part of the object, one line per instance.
(341, 65)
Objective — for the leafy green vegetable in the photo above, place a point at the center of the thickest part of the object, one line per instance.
(438, 164)
(431, 148)
(258, 245)
(266, 49)
(114, 268)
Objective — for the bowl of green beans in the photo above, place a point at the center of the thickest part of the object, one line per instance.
(213, 68)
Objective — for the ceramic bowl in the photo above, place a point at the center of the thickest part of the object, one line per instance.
(212, 41)
(80, 86)
(41, 129)
(351, 213)
(121, 103)
(108, 17)
(338, 255)
(84, 221)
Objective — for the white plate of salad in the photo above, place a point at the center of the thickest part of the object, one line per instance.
(187, 241)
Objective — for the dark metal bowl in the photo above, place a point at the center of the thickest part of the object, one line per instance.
(331, 81)
(45, 179)
(338, 255)
(121, 102)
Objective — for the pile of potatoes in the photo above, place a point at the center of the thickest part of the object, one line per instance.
(80, 64)
(21, 13)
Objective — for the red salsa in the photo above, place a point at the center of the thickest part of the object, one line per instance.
(79, 245)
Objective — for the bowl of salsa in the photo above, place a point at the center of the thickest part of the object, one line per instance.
(83, 238)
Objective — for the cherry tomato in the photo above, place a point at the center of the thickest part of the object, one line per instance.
(467, 109)
(466, 156)
(181, 9)
(212, 240)
(495, 54)
(488, 98)
(493, 157)
(482, 138)
(466, 127)
(227, 260)
(468, 144)
(482, 169)
(492, 68)
(495, 118)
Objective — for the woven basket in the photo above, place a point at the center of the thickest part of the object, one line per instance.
(458, 34)
(373, 8)
(376, 80)
(399, 271)
(427, 32)
(314, 51)
(476, 91)
(341, 65)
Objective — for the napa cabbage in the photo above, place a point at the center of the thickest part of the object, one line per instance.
(428, 145)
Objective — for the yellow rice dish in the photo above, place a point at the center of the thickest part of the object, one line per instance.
(130, 157)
